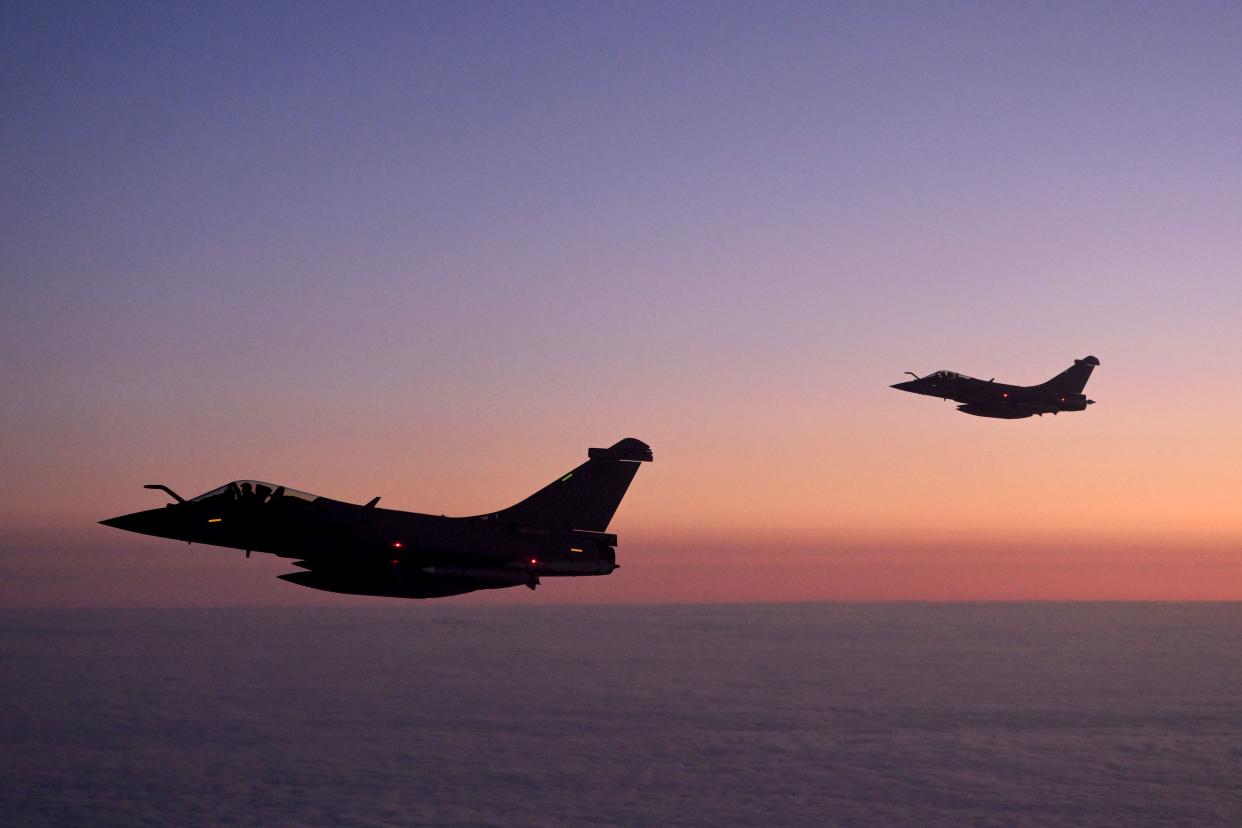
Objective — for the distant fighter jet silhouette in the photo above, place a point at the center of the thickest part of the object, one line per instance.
(362, 550)
(988, 398)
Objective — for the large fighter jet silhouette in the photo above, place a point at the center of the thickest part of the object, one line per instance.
(988, 398)
(364, 550)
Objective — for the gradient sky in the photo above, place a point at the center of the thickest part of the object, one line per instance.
(434, 252)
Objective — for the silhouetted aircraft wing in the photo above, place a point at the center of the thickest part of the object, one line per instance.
(1000, 412)
(394, 580)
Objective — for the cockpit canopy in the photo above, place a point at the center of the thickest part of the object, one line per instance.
(252, 491)
(947, 375)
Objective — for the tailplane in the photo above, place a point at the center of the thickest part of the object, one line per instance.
(1073, 379)
(585, 498)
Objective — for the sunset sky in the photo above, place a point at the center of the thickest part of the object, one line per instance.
(435, 252)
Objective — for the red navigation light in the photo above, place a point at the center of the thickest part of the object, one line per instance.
(1005, 394)
(396, 544)
(395, 561)
(533, 561)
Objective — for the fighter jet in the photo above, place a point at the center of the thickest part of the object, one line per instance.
(558, 531)
(989, 398)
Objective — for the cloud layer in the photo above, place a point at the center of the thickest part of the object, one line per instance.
(796, 714)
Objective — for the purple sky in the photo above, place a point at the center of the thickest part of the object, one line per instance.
(433, 252)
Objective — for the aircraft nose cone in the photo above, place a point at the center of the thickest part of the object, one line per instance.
(903, 386)
(136, 522)
(119, 522)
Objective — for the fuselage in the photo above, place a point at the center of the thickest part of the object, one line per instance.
(330, 532)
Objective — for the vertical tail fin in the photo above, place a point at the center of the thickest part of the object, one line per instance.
(585, 498)
(1074, 378)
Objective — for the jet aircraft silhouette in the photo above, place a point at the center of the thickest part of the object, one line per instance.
(558, 531)
(988, 398)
